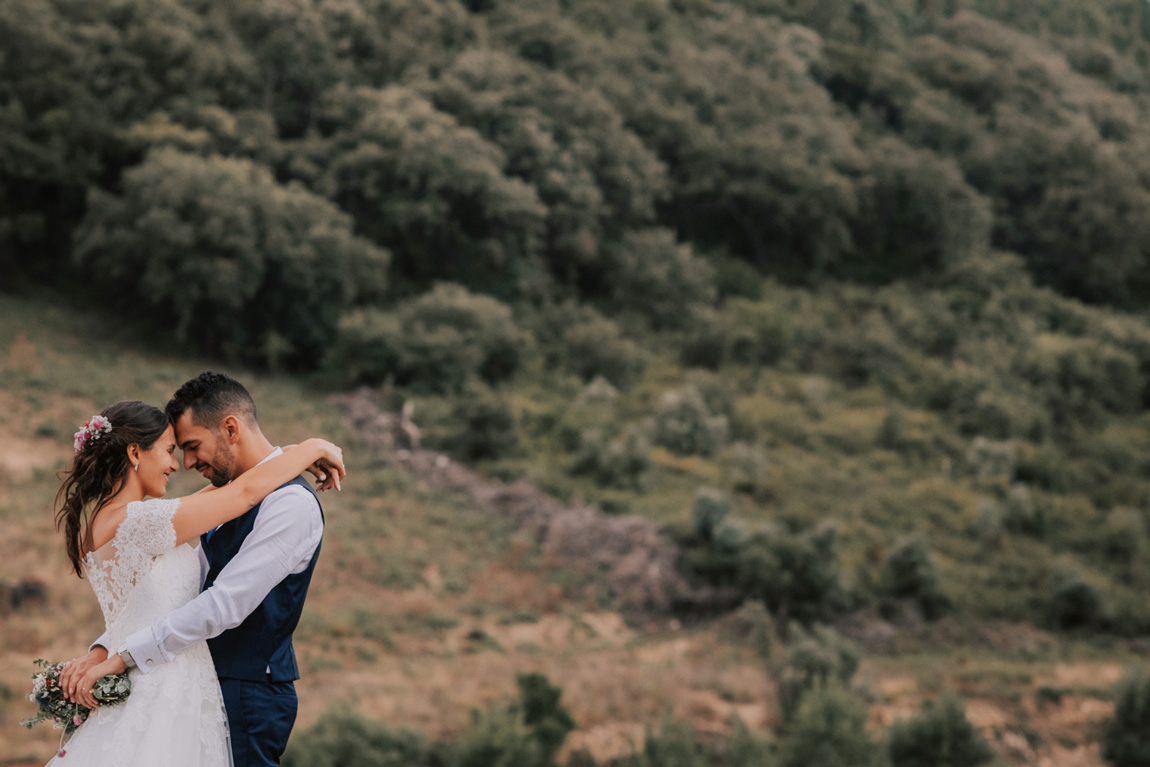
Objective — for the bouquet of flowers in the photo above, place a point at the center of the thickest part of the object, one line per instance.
(66, 714)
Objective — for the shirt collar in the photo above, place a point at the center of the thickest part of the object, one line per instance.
(271, 455)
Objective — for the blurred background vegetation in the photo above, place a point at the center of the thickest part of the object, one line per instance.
(846, 295)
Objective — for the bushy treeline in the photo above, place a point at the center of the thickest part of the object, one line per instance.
(263, 163)
(828, 727)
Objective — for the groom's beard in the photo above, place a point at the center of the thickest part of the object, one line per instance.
(222, 467)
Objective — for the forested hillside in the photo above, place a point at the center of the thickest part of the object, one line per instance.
(846, 295)
(539, 150)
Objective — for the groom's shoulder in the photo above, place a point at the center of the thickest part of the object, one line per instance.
(296, 493)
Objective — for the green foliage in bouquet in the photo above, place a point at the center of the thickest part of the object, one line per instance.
(63, 713)
(48, 695)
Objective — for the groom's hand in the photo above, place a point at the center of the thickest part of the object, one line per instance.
(72, 673)
(86, 684)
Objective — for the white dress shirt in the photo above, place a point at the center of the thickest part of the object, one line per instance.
(283, 540)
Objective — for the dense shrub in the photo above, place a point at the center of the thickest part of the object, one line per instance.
(760, 331)
(526, 733)
(598, 393)
(342, 737)
(437, 341)
(687, 426)
(735, 278)
(795, 574)
(674, 745)
(909, 574)
(661, 279)
(712, 546)
(829, 730)
(1124, 536)
(228, 258)
(708, 343)
(987, 459)
(483, 425)
(1126, 738)
(940, 736)
(549, 721)
(496, 738)
(1021, 514)
(854, 343)
(989, 526)
(918, 215)
(583, 342)
(1074, 601)
(754, 624)
(708, 512)
(748, 470)
(813, 661)
(746, 748)
(622, 461)
(1082, 379)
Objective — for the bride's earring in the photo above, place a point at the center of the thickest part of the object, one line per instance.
(135, 467)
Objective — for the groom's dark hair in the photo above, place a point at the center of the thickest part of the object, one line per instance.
(211, 397)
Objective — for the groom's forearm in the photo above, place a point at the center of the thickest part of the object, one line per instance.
(223, 606)
(284, 534)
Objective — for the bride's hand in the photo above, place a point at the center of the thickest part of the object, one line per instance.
(328, 468)
(87, 681)
(326, 477)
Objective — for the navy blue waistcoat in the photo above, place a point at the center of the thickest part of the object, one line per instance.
(263, 641)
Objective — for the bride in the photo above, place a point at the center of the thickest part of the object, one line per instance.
(136, 555)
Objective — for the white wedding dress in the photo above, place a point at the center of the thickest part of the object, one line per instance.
(174, 716)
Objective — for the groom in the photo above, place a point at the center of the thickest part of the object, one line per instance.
(256, 570)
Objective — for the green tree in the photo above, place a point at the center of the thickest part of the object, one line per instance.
(567, 142)
(796, 575)
(916, 215)
(433, 191)
(234, 261)
(437, 341)
(652, 274)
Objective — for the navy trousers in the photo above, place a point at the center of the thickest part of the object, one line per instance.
(260, 718)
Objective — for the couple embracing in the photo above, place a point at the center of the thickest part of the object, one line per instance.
(205, 633)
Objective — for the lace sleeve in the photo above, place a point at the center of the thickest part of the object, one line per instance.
(148, 525)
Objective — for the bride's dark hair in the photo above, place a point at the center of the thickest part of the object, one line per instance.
(99, 470)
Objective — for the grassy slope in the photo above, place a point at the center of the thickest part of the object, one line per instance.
(422, 609)
(405, 576)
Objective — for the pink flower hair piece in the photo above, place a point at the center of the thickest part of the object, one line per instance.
(92, 430)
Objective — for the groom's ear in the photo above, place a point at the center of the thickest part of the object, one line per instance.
(230, 428)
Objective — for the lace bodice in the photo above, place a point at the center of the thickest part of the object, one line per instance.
(141, 574)
(174, 715)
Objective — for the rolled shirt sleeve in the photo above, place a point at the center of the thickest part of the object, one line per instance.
(282, 542)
